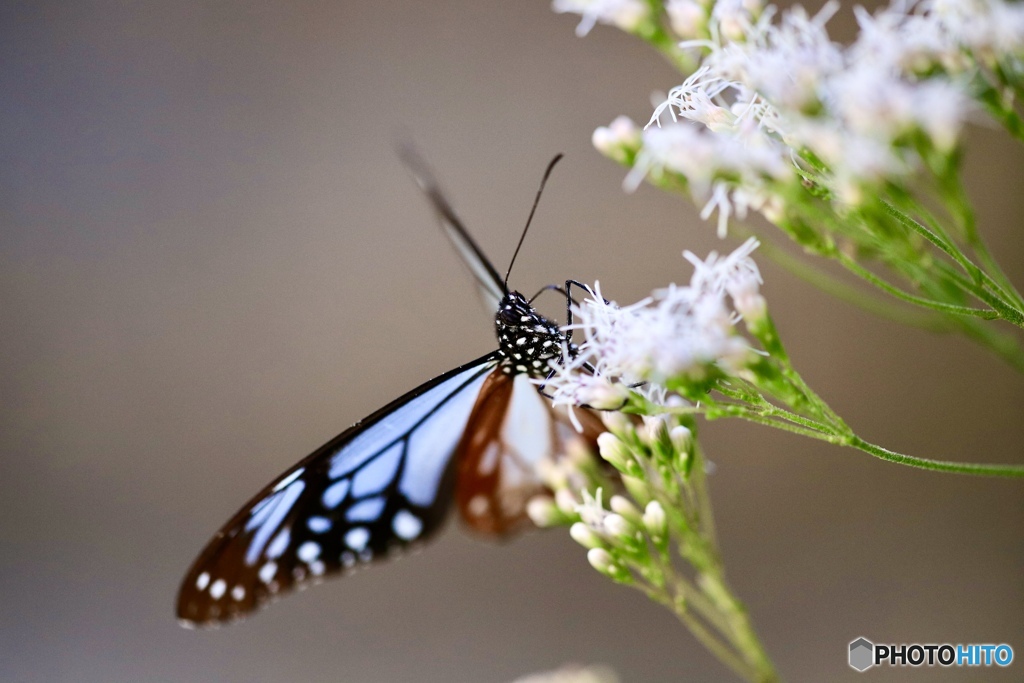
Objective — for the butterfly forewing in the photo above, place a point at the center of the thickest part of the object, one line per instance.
(383, 483)
(489, 282)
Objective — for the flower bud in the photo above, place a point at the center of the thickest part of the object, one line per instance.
(584, 535)
(543, 511)
(551, 474)
(602, 560)
(604, 395)
(656, 430)
(615, 139)
(622, 506)
(751, 305)
(566, 501)
(655, 520)
(681, 438)
(615, 422)
(616, 453)
(637, 488)
(617, 526)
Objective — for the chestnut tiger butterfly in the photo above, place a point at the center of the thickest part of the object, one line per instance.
(472, 435)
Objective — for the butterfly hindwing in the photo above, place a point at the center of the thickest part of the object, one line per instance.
(511, 429)
(385, 482)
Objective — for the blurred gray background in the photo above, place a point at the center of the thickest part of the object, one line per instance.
(212, 262)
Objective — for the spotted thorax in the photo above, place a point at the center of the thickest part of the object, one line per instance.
(527, 341)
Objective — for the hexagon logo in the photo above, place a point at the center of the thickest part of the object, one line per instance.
(862, 654)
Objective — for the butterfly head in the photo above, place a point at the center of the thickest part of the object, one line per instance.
(527, 341)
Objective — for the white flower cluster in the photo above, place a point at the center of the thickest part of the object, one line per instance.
(774, 94)
(625, 14)
(676, 333)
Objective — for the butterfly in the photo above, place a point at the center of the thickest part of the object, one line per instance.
(471, 436)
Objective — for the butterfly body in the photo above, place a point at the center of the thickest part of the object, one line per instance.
(472, 436)
(527, 341)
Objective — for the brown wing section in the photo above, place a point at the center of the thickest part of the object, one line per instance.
(512, 427)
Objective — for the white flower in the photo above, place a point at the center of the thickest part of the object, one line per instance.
(571, 384)
(773, 87)
(677, 332)
(732, 273)
(687, 17)
(591, 511)
(622, 132)
(743, 159)
(784, 62)
(733, 18)
(625, 14)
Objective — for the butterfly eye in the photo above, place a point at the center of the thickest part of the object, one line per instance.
(509, 316)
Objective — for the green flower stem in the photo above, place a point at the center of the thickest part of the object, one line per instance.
(952, 191)
(766, 333)
(758, 418)
(688, 595)
(713, 643)
(698, 484)
(939, 306)
(988, 470)
(1004, 346)
(883, 308)
(942, 243)
(996, 104)
(1010, 471)
(666, 477)
(741, 650)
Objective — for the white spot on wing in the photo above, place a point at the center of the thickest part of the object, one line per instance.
(217, 589)
(406, 525)
(238, 592)
(309, 551)
(318, 525)
(478, 505)
(490, 459)
(268, 571)
(357, 538)
(202, 581)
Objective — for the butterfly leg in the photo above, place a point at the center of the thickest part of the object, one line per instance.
(552, 288)
(569, 301)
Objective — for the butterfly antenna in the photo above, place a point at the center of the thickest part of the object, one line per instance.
(536, 201)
